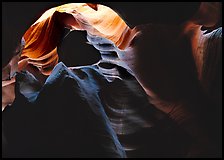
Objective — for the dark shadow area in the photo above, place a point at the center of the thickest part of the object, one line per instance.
(74, 51)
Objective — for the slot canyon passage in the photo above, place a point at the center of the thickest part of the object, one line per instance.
(112, 79)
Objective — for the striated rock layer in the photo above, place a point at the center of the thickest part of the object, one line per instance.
(46, 33)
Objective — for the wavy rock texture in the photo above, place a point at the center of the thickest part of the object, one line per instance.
(124, 100)
(45, 34)
(126, 103)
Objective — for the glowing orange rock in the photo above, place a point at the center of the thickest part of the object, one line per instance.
(45, 34)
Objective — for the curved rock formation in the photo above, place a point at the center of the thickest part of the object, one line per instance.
(45, 34)
(106, 27)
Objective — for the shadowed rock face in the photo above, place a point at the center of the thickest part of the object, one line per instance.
(62, 118)
(134, 113)
(79, 112)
